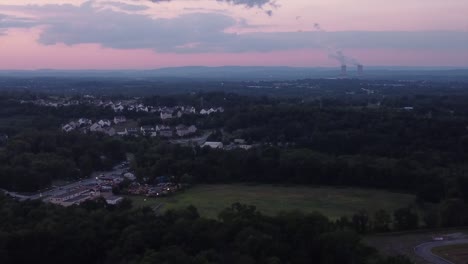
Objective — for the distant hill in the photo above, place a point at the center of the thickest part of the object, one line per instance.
(253, 73)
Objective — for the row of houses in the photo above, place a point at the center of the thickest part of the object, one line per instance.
(52, 103)
(128, 105)
(85, 125)
(159, 130)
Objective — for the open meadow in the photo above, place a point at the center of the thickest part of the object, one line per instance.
(271, 199)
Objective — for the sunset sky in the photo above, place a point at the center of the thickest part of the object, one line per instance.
(142, 34)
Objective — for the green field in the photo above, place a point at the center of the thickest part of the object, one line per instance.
(271, 199)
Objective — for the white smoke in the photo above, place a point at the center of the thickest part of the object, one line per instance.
(333, 52)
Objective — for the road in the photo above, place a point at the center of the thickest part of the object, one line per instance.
(62, 189)
(425, 250)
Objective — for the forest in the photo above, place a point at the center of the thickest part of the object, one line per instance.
(97, 233)
(413, 143)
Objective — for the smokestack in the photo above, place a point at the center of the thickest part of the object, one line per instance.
(343, 70)
(360, 69)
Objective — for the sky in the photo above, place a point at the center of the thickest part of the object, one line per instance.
(146, 34)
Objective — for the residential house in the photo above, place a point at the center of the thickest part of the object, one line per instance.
(118, 108)
(162, 127)
(132, 131)
(120, 119)
(166, 114)
(182, 130)
(67, 128)
(84, 122)
(142, 108)
(130, 176)
(190, 110)
(239, 141)
(104, 122)
(166, 133)
(110, 131)
(121, 132)
(114, 200)
(95, 128)
(213, 145)
(244, 146)
(147, 130)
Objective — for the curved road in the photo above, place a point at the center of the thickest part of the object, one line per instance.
(425, 250)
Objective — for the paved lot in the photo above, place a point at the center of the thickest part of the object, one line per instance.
(62, 189)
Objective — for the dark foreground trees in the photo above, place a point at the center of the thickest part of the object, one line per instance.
(33, 232)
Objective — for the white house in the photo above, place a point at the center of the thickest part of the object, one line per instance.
(67, 128)
(246, 147)
(213, 145)
(104, 122)
(120, 119)
(118, 108)
(162, 127)
(122, 132)
(84, 121)
(166, 115)
(114, 200)
(130, 176)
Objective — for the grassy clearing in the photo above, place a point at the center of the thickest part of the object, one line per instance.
(457, 254)
(271, 199)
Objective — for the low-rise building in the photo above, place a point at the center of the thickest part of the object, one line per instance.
(95, 128)
(120, 119)
(67, 128)
(132, 131)
(114, 200)
(84, 122)
(166, 114)
(166, 133)
(110, 131)
(121, 132)
(183, 130)
(147, 130)
(104, 122)
(213, 145)
(75, 196)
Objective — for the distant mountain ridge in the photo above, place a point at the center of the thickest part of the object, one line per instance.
(252, 73)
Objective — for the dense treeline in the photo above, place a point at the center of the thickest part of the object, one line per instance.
(33, 159)
(298, 166)
(95, 233)
(340, 130)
